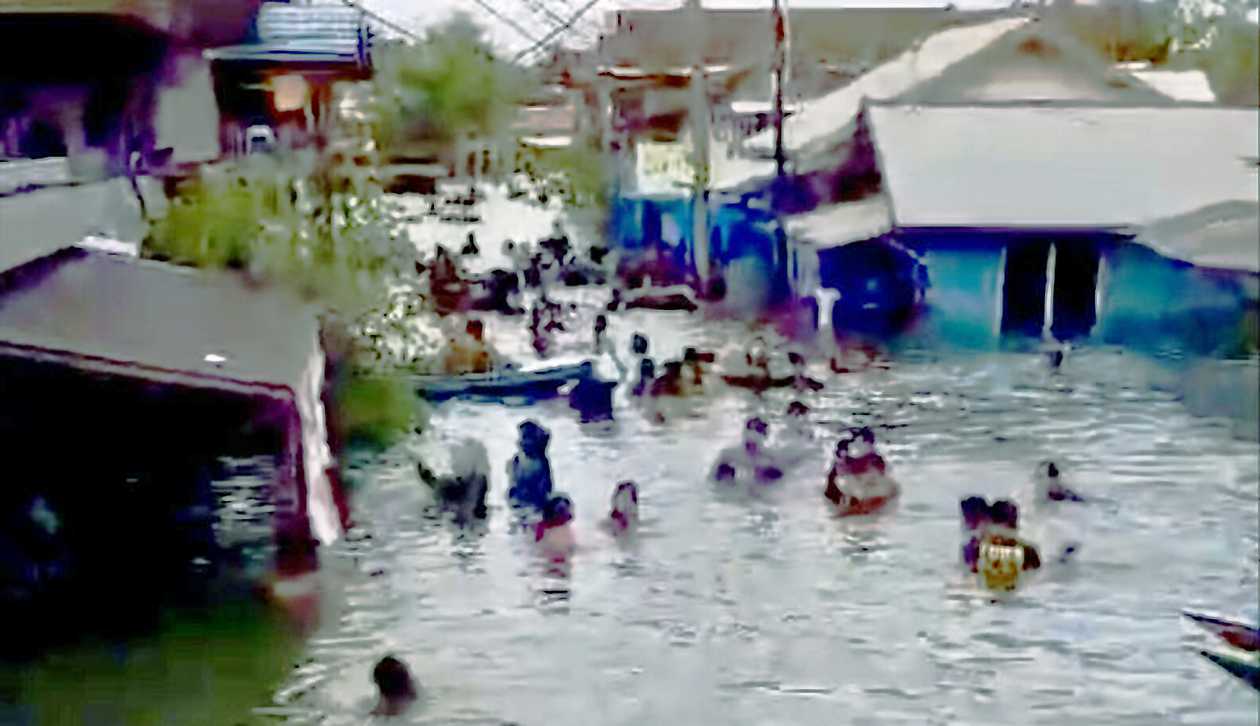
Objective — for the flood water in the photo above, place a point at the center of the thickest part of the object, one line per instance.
(750, 609)
(767, 609)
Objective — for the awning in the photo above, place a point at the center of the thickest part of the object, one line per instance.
(288, 52)
(547, 142)
(841, 224)
(1221, 236)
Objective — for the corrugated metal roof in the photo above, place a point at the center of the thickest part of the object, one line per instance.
(1056, 166)
(303, 34)
(280, 21)
(160, 320)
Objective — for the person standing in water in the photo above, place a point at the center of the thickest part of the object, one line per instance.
(554, 532)
(529, 472)
(463, 493)
(858, 482)
(1003, 556)
(751, 460)
(801, 380)
(624, 514)
(647, 374)
(604, 347)
(1048, 486)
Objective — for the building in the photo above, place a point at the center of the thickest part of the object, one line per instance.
(126, 383)
(1034, 232)
(283, 77)
(135, 82)
(134, 97)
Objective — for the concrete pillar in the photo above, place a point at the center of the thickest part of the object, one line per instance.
(699, 114)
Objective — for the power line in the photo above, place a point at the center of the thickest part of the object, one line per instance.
(555, 31)
(514, 25)
(411, 34)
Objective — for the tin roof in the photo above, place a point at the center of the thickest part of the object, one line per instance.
(323, 34)
(156, 321)
(1061, 166)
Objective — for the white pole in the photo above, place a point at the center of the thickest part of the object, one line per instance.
(1048, 320)
(700, 140)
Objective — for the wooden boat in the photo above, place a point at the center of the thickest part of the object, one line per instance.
(757, 381)
(675, 297)
(1239, 635)
(1245, 669)
(500, 385)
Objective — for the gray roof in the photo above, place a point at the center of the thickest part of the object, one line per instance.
(836, 225)
(1222, 236)
(1056, 166)
(156, 321)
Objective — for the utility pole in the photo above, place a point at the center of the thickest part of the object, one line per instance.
(782, 57)
(700, 141)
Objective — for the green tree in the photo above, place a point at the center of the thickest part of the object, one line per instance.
(309, 227)
(447, 88)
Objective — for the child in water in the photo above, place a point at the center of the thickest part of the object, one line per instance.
(858, 482)
(396, 690)
(994, 549)
(554, 533)
(530, 471)
(624, 514)
(751, 461)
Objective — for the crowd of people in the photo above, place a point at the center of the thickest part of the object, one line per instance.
(858, 480)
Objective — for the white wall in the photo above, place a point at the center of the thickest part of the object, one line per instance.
(187, 116)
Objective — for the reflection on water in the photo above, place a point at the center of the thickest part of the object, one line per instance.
(758, 608)
(768, 609)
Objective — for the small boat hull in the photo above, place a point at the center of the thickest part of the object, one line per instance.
(501, 385)
(1246, 670)
(1239, 635)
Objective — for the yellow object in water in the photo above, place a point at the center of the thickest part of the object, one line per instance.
(1001, 562)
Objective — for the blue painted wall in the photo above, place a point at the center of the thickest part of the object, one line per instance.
(737, 233)
(1150, 302)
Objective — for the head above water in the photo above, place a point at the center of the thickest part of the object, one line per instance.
(534, 438)
(639, 344)
(558, 510)
(1048, 470)
(691, 355)
(601, 323)
(796, 359)
(1004, 513)
(625, 502)
(393, 680)
(975, 511)
(796, 408)
(647, 369)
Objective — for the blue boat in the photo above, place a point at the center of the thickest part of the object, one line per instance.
(507, 386)
(1246, 670)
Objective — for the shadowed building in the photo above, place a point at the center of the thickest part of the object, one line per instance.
(124, 386)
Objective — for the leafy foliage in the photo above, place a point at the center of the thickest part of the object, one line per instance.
(447, 87)
(310, 228)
